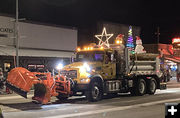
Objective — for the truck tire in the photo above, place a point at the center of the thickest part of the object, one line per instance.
(152, 86)
(95, 92)
(139, 88)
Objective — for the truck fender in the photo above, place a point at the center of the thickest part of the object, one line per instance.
(98, 78)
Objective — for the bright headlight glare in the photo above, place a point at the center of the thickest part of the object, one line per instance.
(86, 66)
(59, 66)
(82, 69)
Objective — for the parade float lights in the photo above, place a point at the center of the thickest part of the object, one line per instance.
(118, 41)
(102, 44)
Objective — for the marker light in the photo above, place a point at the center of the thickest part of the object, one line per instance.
(78, 49)
(117, 42)
(59, 66)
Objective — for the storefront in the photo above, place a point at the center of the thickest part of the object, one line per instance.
(41, 46)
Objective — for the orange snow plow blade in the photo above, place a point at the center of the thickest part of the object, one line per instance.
(21, 81)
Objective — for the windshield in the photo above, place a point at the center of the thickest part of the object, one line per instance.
(90, 56)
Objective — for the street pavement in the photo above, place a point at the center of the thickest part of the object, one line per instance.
(121, 106)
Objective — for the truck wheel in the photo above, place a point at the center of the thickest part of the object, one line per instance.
(95, 92)
(141, 87)
(152, 85)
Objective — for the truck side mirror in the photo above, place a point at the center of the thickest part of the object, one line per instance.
(112, 58)
(73, 59)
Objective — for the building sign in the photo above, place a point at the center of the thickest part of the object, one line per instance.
(176, 46)
(176, 40)
(176, 43)
(6, 30)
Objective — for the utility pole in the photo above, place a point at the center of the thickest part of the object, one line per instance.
(17, 34)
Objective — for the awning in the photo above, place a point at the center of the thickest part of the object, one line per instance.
(174, 59)
(11, 51)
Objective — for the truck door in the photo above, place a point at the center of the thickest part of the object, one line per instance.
(108, 70)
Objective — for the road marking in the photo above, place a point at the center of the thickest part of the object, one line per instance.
(112, 109)
(172, 90)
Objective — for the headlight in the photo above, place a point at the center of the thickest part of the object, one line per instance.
(85, 68)
(59, 66)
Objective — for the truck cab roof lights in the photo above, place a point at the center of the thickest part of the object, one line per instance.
(118, 42)
(78, 49)
(101, 47)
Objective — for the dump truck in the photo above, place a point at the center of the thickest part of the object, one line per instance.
(96, 70)
(99, 70)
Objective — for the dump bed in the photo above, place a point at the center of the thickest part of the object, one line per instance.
(144, 64)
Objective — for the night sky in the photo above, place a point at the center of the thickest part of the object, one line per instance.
(148, 14)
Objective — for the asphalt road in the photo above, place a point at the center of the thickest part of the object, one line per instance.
(121, 106)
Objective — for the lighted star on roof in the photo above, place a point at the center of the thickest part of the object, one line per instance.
(100, 38)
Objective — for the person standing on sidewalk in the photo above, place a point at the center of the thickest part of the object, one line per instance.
(8, 91)
(178, 73)
(1, 113)
(1, 81)
(178, 76)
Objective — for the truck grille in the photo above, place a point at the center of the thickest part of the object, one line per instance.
(70, 74)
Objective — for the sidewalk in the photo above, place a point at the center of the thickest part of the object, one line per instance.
(173, 83)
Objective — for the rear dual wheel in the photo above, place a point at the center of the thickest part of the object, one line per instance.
(152, 86)
(142, 87)
(139, 88)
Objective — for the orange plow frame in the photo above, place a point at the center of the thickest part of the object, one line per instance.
(21, 81)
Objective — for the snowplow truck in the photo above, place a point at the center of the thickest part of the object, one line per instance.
(97, 71)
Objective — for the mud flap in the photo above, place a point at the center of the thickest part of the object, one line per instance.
(163, 86)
